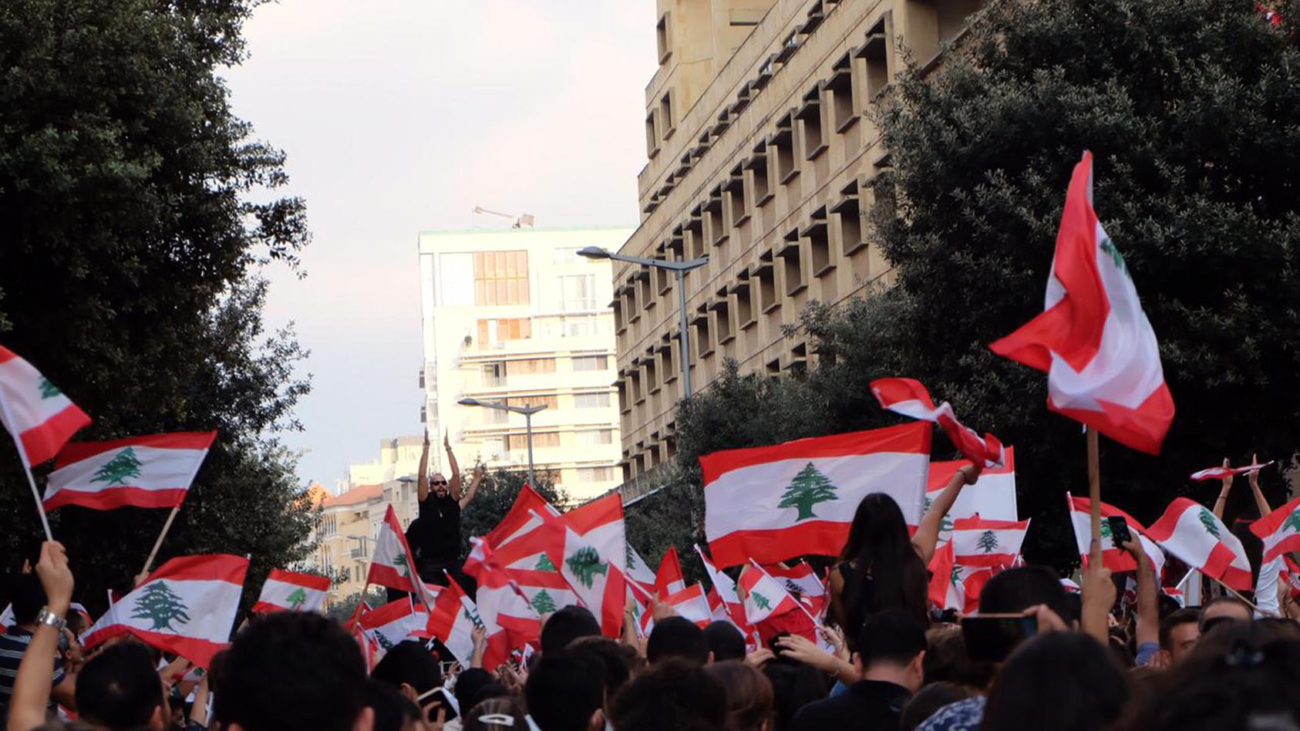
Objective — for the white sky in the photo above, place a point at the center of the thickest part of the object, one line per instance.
(402, 115)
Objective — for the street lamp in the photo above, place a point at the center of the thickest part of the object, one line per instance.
(527, 411)
(681, 268)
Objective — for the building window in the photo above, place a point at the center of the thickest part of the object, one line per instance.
(703, 341)
(722, 321)
(744, 306)
(840, 89)
(531, 366)
(850, 218)
(651, 134)
(565, 256)
(329, 525)
(782, 146)
(767, 297)
(810, 116)
(590, 362)
(493, 333)
(662, 39)
(494, 416)
(790, 254)
(717, 226)
(494, 374)
(550, 402)
(666, 114)
(592, 400)
(593, 437)
(875, 54)
(542, 440)
(819, 244)
(757, 177)
(736, 196)
(595, 474)
(578, 292)
(501, 278)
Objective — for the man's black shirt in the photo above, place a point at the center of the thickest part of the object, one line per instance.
(437, 540)
(869, 705)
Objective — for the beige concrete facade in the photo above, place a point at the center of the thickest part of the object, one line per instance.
(349, 524)
(768, 174)
(398, 457)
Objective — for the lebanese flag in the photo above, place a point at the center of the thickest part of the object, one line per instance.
(38, 416)
(592, 574)
(508, 619)
(7, 617)
(798, 498)
(142, 472)
(519, 521)
(600, 523)
(1093, 339)
(993, 496)
(544, 587)
(691, 603)
(452, 622)
(289, 591)
(1218, 473)
(371, 652)
(770, 609)
(725, 587)
(717, 608)
(640, 579)
(954, 586)
(1280, 530)
(802, 582)
(186, 607)
(1199, 539)
(395, 622)
(669, 579)
(908, 397)
(393, 564)
(989, 543)
(1112, 557)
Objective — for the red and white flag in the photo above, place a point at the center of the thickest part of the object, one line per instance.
(393, 564)
(691, 603)
(508, 619)
(592, 575)
(38, 416)
(519, 521)
(908, 397)
(640, 579)
(770, 609)
(1218, 473)
(669, 579)
(1113, 557)
(988, 543)
(717, 608)
(187, 607)
(290, 591)
(600, 523)
(370, 649)
(395, 622)
(802, 582)
(1093, 339)
(798, 498)
(954, 586)
(725, 587)
(1279, 530)
(453, 620)
(1199, 539)
(993, 496)
(143, 472)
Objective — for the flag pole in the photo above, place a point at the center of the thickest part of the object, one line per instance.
(1237, 594)
(158, 543)
(1094, 484)
(27, 469)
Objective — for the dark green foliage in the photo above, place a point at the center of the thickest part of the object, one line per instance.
(494, 499)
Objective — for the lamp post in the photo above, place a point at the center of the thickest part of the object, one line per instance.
(527, 411)
(681, 268)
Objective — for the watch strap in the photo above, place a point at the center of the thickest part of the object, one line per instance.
(51, 619)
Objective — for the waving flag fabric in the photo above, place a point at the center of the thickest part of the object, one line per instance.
(640, 579)
(597, 581)
(36, 413)
(691, 603)
(1113, 557)
(393, 564)
(669, 578)
(1218, 473)
(143, 472)
(289, 591)
(802, 582)
(508, 619)
(989, 543)
(798, 498)
(992, 497)
(725, 587)
(1280, 530)
(1199, 539)
(1093, 339)
(763, 596)
(953, 586)
(453, 620)
(187, 606)
(908, 397)
(395, 623)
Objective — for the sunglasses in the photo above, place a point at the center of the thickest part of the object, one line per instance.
(439, 482)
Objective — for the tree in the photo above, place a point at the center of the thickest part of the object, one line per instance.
(131, 272)
(808, 488)
(543, 603)
(160, 605)
(119, 469)
(585, 563)
(297, 598)
(988, 541)
(1207, 520)
(544, 564)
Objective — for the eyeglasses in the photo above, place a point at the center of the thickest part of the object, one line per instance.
(439, 482)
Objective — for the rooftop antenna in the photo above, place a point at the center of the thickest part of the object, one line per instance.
(525, 219)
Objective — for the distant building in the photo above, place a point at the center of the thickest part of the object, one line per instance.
(398, 457)
(349, 524)
(515, 316)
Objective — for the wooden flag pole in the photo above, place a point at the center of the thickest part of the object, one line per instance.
(1094, 483)
(158, 543)
(1237, 594)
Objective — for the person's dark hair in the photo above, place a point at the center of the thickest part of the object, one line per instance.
(1167, 605)
(881, 548)
(563, 691)
(1061, 680)
(292, 671)
(1173, 621)
(567, 625)
(676, 637)
(929, 699)
(1206, 626)
(794, 685)
(475, 685)
(408, 662)
(1015, 590)
(674, 694)
(890, 637)
(119, 688)
(750, 698)
(724, 641)
(29, 597)
(946, 660)
(1120, 650)
(392, 709)
(507, 707)
(609, 655)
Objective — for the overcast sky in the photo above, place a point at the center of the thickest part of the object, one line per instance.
(402, 115)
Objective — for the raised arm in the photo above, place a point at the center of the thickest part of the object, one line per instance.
(479, 471)
(453, 480)
(1148, 599)
(1223, 494)
(927, 534)
(422, 487)
(1098, 597)
(33, 684)
(1260, 501)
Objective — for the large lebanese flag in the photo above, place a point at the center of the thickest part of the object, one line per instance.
(1280, 530)
(798, 498)
(1093, 338)
(290, 591)
(992, 497)
(592, 574)
(1199, 539)
(1112, 557)
(38, 416)
(143, 472)
(187, 606)
(954, 586)
(987, 543)
(508, 619)
(453, 620)
(908, 397)
(669, 579)
(393, 564)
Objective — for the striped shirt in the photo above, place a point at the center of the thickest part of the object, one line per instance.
(13, 645)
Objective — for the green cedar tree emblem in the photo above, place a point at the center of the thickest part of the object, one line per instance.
(1108, 247)
(160, 605)
(808, 488)
(956, 575)
(544, 564)
(297, 599)
(1292, 521)
(543, 602)
(988, 541)
(48, 390)
(585, 564)
(1207, 520)
(383, 641)
(946, 524)
(629, 555)
(1106, 534)
(474, 619)
(760, 601)
(399, 563)
(119, 469)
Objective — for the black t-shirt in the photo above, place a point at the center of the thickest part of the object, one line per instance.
(870, 705)
(438, 537)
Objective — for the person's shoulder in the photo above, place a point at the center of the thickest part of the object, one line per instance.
(823, 713)
(964, 715)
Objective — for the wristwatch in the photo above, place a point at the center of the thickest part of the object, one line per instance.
(47, 617)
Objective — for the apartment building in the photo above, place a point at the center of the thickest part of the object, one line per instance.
(349, 525)
(761, 160)
(398, 457)
(517, 317)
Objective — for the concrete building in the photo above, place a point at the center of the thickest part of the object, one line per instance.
(398, 457)
(762, 160)
(349, 524)
(516, 316)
